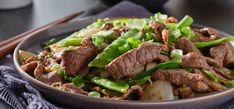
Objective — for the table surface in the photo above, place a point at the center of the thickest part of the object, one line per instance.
(215, 13)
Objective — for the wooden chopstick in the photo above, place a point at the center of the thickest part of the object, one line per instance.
(9, 45)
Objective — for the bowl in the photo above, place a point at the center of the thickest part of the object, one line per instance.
(32, 44)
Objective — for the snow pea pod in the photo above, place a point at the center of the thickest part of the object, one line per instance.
(119, 85)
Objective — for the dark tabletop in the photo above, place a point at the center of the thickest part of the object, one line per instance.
(215, 13)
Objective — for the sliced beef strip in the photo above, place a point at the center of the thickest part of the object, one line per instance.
(163, 58)
(180, 77)
(194, 60)
(215, 86)
(186, 45)
(223, 53)
(213, 62)
(129, 61)
(134, 90)
(205, 34)
(223, 74)
(74, 60)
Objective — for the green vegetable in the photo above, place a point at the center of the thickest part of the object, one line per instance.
(214, 42)
(117, 24)
(134, 43)
(141, 81)
(97, 24)
(77, 80)
(176, 54)
(230, 83)
(124, 48)
(211, 75)
(188, 32)
(112, 51)
(190, 70)
(119, 86)
(50, 42)
(94, 94)
(99, 37)
(70, 42)
(136, 23)
(160, 17)
(171, 26)
(174, 34)
(185, 22)
(167, 65)
(149, 34)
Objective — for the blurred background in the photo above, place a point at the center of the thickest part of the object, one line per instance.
(17, 16)
(215, 13)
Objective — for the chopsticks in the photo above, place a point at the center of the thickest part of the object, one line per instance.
(9, 45)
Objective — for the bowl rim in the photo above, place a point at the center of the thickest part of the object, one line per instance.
(30, 79)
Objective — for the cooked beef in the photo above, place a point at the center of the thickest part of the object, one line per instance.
(157, 28)
(48, 78)
(70, 87)
(223, 74)
(213, 62)
(214, 85)
(133, 92)
(223, 53)
(74, 60)
(180, 77)
(129, 61)
(205, 34)
(186, 45)
(185, 92)
(194, 60)
(171, 20)
(163, 58)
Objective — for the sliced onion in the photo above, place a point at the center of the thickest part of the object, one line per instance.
(158, 91)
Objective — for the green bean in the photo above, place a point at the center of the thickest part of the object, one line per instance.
(160, 17)
(211, 75)
(230, 83)
(119, 86)
(185, 22)
(94, 94)
(188, 32)
(167, 65)
(112, 51)
(70, 42)
(214, 42)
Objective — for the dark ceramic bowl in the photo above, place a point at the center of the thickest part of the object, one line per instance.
(70, 100)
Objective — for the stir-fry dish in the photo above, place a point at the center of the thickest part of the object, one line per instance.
(156, 58)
